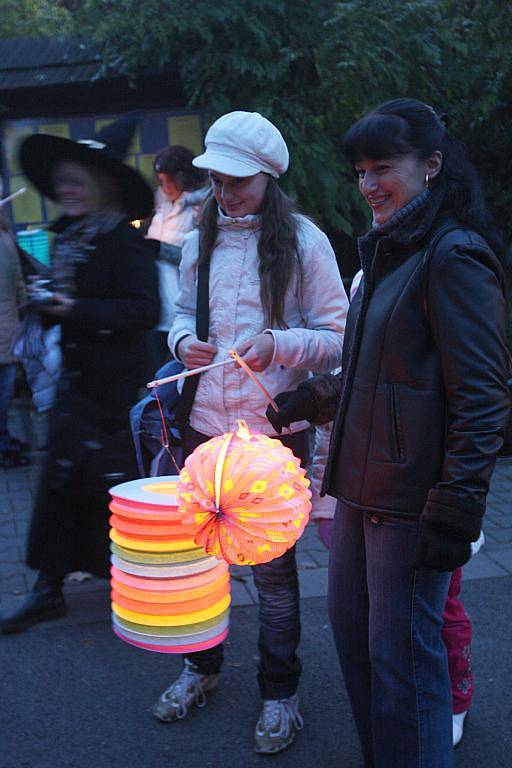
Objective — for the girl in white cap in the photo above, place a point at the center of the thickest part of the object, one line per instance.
(275, 294)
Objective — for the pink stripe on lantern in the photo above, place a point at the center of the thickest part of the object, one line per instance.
(180, 583)
(178, 649)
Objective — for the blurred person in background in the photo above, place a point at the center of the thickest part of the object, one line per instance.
(12, 298)
(104, 293)
(181, 191)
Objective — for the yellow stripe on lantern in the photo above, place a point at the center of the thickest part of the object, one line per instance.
(276, 536)
(167, 488)
(152, 546)
(172, 621)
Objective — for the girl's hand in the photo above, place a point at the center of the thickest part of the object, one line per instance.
(257, 351)
(194, 353)
(61, 305)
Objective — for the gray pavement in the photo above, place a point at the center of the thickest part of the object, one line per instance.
(74, 696)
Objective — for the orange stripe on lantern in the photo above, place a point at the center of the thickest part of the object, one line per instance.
(173, 609)
(151, 546)
(149, 529)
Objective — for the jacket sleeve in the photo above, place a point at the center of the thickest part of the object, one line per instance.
(318, 345)
(322, 506)
(467, 311)
(184, 323)
(134, 302)
(326, 391)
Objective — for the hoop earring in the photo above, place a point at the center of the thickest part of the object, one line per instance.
(426, 180)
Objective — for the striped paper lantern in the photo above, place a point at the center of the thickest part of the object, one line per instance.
(168, 595)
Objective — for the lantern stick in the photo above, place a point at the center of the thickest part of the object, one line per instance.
(258, 383)
(190, 372)
(11, 197)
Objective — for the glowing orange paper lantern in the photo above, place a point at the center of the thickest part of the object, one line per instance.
(244, 496)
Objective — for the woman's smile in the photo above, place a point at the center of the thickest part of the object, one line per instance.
(389, 184)
(239, 196)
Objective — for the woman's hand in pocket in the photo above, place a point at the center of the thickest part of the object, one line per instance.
(257, 351)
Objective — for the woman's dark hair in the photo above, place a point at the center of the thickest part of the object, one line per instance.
(177, 161)
(404, 126)
(278, 248)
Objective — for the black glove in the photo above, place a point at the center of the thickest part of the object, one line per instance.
(293, 406)
(439, 550)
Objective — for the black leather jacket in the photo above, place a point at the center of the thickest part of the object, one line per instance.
(422, 402)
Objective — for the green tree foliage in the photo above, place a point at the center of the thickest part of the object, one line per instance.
(32, 18)
(314, 66)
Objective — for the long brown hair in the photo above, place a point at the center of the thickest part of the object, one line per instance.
(278, 248)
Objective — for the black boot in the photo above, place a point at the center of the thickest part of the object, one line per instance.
(46, 601)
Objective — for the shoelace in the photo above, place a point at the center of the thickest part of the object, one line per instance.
(285, 710)
(178, 692)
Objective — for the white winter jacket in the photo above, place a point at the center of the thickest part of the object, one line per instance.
(170, 223)
(312, 342)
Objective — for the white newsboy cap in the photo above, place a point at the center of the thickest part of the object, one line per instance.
(243, 144)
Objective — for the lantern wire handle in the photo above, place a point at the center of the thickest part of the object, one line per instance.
(243, 431)
(164, 435)
(258, 383)
(219, 466)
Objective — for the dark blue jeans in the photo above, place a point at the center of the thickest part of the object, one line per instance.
(279, 607)
(387, 618)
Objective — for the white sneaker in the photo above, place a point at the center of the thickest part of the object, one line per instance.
(278, 721)
(189, 688)
(477, 545)
(458, 727)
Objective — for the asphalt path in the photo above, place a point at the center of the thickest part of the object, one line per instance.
(74, 696)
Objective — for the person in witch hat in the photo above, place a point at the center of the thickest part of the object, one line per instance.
(105, 297)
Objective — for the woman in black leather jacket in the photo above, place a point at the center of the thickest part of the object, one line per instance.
(419, 413)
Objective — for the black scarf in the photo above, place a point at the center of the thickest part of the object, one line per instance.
(410, 225)
(74, 243)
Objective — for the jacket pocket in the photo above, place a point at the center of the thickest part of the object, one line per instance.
(387, 440)
(395, 432)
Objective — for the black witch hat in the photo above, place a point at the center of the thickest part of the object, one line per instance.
(105, 151)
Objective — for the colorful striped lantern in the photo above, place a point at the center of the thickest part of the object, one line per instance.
(244, 497)
(168, 595)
